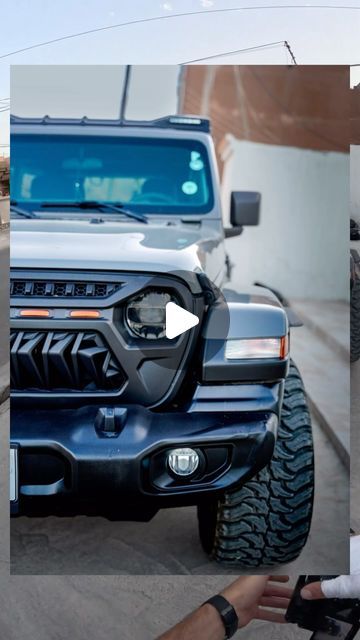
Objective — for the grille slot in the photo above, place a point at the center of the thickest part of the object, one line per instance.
(63, 361)
(62, 289)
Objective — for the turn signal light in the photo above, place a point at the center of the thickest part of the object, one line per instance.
(284, 347)
(85, 314)
(35, 313)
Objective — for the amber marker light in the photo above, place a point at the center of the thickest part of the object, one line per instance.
(284, 347)
(35, 313)
(85, 314)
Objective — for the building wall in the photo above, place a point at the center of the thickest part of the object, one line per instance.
(4, 176)
(305, 106)
(301, 245)
(4, 210)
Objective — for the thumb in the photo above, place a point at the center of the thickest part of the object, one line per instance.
(340, 587)
(312, 591)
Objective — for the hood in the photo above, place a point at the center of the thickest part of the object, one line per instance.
(120, 246)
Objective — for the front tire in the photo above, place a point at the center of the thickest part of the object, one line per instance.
(266, 521)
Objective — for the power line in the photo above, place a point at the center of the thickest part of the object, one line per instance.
(231, 53)
(172, 16)
(289, 49)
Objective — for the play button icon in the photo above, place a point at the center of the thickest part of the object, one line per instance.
(178, 320)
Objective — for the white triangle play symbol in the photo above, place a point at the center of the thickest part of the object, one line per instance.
(178, 320)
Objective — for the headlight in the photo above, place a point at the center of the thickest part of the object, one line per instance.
(146, 314)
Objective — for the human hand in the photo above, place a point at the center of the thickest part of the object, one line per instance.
(252, 595)
(341, 587)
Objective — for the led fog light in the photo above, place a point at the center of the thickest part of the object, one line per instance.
(183, 462)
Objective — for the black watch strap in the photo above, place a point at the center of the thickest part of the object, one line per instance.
(227, 614)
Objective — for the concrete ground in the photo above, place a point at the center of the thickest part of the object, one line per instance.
(321, 350)
(103, 607)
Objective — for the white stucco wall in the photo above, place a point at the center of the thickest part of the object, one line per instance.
(4, 210)
(302, 243)
(355, 182)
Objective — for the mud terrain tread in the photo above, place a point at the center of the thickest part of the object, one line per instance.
(267, 521)
(355, 322)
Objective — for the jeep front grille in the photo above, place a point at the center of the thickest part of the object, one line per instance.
(61, 289)
(63, 361)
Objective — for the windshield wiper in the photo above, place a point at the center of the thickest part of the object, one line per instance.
(21, 212)
(98, 204)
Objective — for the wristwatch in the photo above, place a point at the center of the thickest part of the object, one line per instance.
(227, 614)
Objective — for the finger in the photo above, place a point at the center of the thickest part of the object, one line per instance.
(270, 616)
(312, 591)
(276, 603)
(279, 578)
(281, 592)
(342, 587)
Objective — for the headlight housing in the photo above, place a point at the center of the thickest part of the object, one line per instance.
(146, 314)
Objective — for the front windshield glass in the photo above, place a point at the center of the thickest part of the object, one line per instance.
(149, 175)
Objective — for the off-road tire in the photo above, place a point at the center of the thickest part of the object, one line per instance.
(266, 521)
(355, 321)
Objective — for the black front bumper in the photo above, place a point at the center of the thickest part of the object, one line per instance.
(112, 461)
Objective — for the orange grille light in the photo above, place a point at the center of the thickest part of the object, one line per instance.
(85, 313)
(34, 313)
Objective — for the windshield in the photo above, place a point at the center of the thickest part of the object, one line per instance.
(149, 175)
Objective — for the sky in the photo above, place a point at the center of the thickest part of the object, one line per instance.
(64, 90)
(316, 35)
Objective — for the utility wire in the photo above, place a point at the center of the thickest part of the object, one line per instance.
(172, 16)
(287, 46)
(231, 53)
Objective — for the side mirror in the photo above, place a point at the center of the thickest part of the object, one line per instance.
(245, 208)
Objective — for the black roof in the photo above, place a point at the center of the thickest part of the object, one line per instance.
(186, 122)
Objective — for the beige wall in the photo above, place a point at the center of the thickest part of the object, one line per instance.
(4, 210)
(355, 182)
(301, 244)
